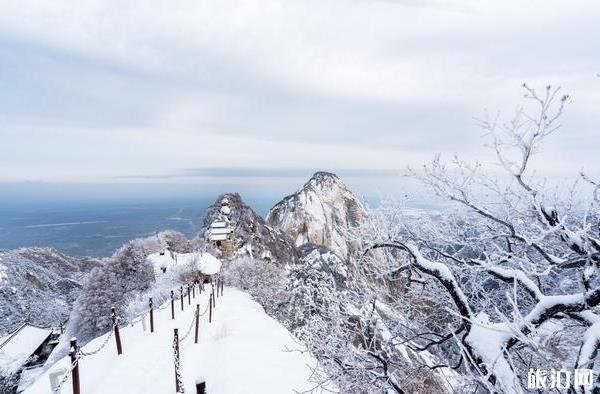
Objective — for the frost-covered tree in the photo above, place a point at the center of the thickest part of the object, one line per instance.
(124, 274)
(516, 261)
(263, 280)
(311, 301)
(343, 321)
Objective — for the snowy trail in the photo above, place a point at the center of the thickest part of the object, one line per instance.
(241, 351)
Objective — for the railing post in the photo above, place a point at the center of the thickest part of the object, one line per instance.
(176, 354)
(194, 290)
(172, 305)
(200, 387)
(214, 299)
(181, 296)
(151, 316)
(222, 286)
(116, 328)
(210, 306)
(189, 299)
(197, 321)
(75, 372)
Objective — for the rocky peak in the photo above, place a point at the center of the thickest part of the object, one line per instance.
(252, 235)
(320, 212)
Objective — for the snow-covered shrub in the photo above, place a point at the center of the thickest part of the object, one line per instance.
(263, 280)
(160, 291)
(177, 242)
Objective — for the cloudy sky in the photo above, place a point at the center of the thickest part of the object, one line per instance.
(259, 92)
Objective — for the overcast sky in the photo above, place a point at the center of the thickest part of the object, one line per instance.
(227, 92)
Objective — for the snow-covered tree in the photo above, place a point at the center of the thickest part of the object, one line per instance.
(263, 280)
(516, 261)
(123, 275)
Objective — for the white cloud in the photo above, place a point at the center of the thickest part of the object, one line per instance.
(375, 84)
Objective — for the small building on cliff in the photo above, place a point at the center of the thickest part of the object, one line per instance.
(221, 236)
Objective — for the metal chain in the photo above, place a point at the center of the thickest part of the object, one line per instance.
(189, 329)
(67, 374)
(205, 310)
(81, 352)
(138, 319)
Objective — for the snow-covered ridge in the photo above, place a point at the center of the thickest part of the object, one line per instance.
(320, 212)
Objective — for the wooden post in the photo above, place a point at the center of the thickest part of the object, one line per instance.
(214, 301)
(194, 290)
(200, 387)
(75, 372)
(210, 306)
(181, 296)
(172, 305)
(197, 321)
(189, 299)
(151, 316)
(117, 334)
(176, 350)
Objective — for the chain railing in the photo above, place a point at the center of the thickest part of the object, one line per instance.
(189, 330)
(77, 353)
(91, 353)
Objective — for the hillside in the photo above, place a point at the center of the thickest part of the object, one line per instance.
(39, 285)
(242, 351)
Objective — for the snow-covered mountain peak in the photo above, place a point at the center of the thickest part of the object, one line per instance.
(320, 212)
(323, 180)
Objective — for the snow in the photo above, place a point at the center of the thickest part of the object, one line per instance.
(242, 351)
(220, 230)
(2, 272)
(488, 340)
(208, 264)
(17, 347)
(225, 210)
(205, 262)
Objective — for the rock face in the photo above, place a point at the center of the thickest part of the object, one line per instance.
(252, 235)
(38, 285)
(320, 212)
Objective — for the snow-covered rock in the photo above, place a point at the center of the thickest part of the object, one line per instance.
(320, 212)
(253, 237)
